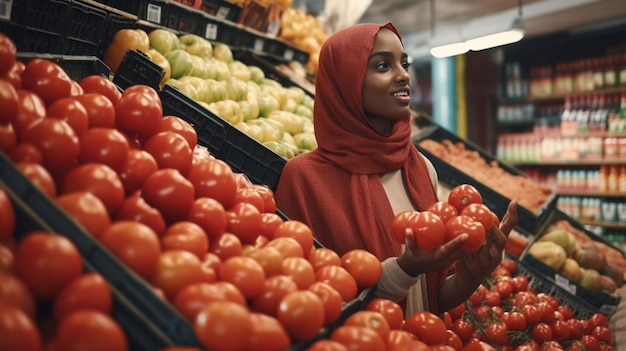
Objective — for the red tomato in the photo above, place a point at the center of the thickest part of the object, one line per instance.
(358, 338)
(478, 346)
(331, 299)
(8, 140)
(566, 312)
(31, 108)
(90, 329)
(176, 269)
(301, 312)
(138, 114)
(340, 279)
(504, 288)
(399, 338)
(267, 333)
(104, 145)
(244, 220)
(139, 164)
(514, 320)
(86, 209)
(299, 270)
(465, 225)
(135, 244)
(25, 152)
(8, 99)
(100, 110)
(170, 193)
(296, 230)
(224, 325)
(269, 223)
(400, 223)
(227, 245)
(590, 342)
(14, 76)
(453, 340)
(245, 273)
(429, 230)
(144, 89)
(190, 299)
(209, 214)
(463, 329)
(268, 197)
(99, 84)
(479, 212)
(215, 179)
(89, 290)
(392, 311)
(251, 196)
(40, 177)
(18, 331)
(269, 258)
(7, 216)
(57, 142)
(72, 111)
(603, 334)
(541, 332)
(496, 331)
(7, 54)
(188, 236)
(180, 126)
(99, 179)
(463, 195)
(370, 319)
(444, 210)
(274, 289)
(598, 319)
(170, 150)
(363, 266)
(428, 327)
(46, 79)
(14, 292)
(323, 256)
(520, 283)
(46, 262)
(135, 208)
(560, 330)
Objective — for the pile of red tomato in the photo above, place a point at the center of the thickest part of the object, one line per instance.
(463, 213)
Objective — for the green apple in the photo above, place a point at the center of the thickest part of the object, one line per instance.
(196, 45)
(185, 88)
(201, 86)
(304, 111)
(289, 105)
(272, 130)
(163, 40)
(253, 102)
(222, 72)
(222, 110)
(296, 93)
(308, 101)
(180, 63)
(308, 126)
(253, 87)
(199, 67)
(305, 141)
(223, 52)
(267, 105)
(292, 123)
(209, 63)
(256, 74)
(236, 89)
(237, 116)
(240, 70)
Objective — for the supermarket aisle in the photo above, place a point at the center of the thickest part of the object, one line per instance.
(618, 322)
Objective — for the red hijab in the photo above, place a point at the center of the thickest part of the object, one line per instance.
(336, 189)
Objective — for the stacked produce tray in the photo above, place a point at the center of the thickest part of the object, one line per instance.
(159, 318)
(224, 141)
(598, 301)
(137, 68)
(452, 176)
(77, 67)
(538, 280)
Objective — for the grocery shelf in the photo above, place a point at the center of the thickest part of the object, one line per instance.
(576, 162)
(590, 193)
(606, 224)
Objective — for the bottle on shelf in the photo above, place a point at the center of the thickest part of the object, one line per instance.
(622, 179)
(612, 179)
(603, 179)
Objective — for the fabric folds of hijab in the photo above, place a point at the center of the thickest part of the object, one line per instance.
(336, 189)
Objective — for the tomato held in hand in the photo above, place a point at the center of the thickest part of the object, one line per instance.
(463, 195)
(444, 210)
(481, 213)
(465, 225)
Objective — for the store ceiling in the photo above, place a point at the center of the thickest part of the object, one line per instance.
(541, 17)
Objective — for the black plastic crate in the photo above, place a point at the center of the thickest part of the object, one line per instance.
(452, 176)
(225, 10)
(113, 24)
(233, 35)
(227, 143)
(541, 283)
(46, 15)
(136, 290)
(137, 68)
(77, 67)
(40, 41)
(175, 16)
(85, 28)
(13, 31)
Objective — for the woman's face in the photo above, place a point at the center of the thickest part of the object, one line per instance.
(387, 85)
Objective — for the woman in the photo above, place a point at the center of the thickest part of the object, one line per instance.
(366, 170)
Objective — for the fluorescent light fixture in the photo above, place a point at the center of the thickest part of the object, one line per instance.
(513, 35)
(449, 49)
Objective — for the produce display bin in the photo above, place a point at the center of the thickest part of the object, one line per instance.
(543, 284)
(452, 176)
(174, 15)
(227, 143)
(77, 67)
(137, 68)
(221, 9)
(84, 29)
(601, 301)
(137, 292)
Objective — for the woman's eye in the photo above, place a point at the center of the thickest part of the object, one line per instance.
(383, 65)
(406, 65)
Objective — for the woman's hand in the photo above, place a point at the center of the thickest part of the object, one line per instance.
(483, 261)
(415, 261)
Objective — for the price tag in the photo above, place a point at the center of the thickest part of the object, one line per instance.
(153, 14)
(258, 44)
(288, 55)
(564, 283)
(222, 12)
(5, 9)
(211, 31)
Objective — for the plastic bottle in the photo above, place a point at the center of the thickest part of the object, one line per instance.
(622, 179)
(612, 179)
(603, 179)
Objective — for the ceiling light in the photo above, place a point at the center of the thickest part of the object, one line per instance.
(449, 49)
(513, 35)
